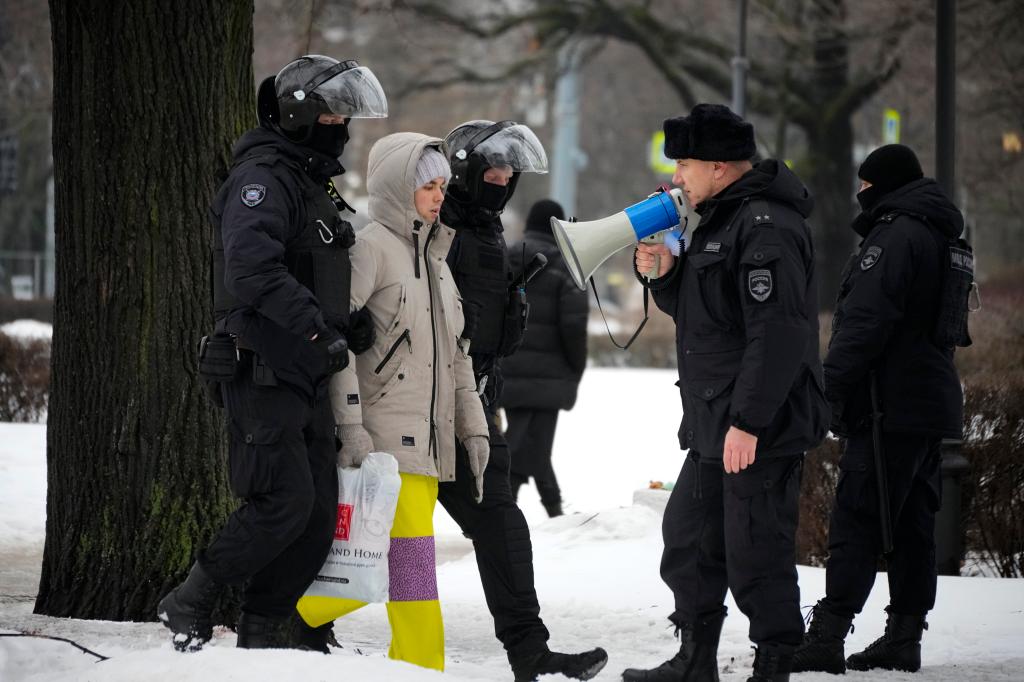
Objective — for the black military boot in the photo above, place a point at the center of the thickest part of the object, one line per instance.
(301, 635)
(697, 660)
(527, 668)
(898, 649)
(187, 610)
(771, 665)
(263, 632)
(822, 648)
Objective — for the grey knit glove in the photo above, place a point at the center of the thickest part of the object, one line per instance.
(478, 449)
(355, 445)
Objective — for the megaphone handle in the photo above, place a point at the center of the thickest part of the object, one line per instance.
(654, 239)
(653, 272)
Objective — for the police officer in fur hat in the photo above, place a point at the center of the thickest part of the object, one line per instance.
(744, 299)
(901, 312)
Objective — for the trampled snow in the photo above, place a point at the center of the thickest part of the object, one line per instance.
(596, 569)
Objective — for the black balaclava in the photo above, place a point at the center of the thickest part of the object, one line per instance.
(492, 197)
(887, 168)
(328, 139)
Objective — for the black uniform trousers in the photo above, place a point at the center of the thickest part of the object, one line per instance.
(531, 435)
(855, 539)
(501, 538)
(283, 463)
(737, 532)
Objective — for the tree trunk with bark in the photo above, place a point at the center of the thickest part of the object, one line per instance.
(148, 97)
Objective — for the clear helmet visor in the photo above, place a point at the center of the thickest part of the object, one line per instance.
(347, 89)
(515, 147)
(355, 93)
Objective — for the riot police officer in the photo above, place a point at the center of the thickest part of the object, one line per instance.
(487, 159)
(744, 300)
(280, 293)
(895, 393)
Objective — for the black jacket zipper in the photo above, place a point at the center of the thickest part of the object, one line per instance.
(391, 351)
(433, 331)
(416, 225)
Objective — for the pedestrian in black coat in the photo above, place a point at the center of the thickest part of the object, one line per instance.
(542, 377)
(744, 300)
(887, 328)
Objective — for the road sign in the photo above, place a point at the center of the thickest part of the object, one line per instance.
(890, 126)
(659, 162)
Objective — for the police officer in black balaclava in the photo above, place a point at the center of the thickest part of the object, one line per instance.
(281, 302)
(902, 310)
(487, 159)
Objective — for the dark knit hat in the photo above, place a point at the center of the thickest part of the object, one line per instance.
(890, 167)
(712, 132)
(540, 215)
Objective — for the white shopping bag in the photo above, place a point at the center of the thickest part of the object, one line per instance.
(357, 565)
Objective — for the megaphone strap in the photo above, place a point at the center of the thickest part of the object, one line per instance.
(607, 327)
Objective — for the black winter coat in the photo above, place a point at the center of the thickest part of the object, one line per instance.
(744, 299)
(885, 315)
(545, 372)
(261, 209)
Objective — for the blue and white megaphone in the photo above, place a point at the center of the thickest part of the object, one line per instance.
(586, 245)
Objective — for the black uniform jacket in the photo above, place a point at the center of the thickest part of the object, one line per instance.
(479, 261)
(261, 208)
(885, 315)
(744, 299)
(545, 372)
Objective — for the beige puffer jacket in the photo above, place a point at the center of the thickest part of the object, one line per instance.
(415, 376)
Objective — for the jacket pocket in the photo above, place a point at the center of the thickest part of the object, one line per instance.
(397, 319)
(404, 336)
(706, 415)
(713, 287)
(253, 454)
(391, 385)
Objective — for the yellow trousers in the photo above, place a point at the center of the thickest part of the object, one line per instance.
(414, 612)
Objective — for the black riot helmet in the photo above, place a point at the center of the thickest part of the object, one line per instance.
(291, 101)
(475, 146)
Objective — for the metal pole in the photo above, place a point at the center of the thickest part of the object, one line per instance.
(740, 65)
(945, 95)
(565, 157)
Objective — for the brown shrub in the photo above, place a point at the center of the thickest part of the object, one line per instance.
(817, 491)
(994, 485)
(24, 379)
(33, 309)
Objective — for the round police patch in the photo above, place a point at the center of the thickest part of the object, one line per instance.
(871, 256)
(253, 195)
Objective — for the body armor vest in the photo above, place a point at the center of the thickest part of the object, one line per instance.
(483, 274)
(316, 255)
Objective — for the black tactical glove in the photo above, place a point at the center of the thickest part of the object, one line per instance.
(361, 333)
(514, 325)
(334, 348)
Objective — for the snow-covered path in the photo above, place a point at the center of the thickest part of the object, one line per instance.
(597, 577)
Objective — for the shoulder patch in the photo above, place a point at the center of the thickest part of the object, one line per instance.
(253, 195)
(871, 257)
(760, 284)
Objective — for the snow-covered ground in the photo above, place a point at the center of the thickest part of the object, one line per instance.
(597, 577)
